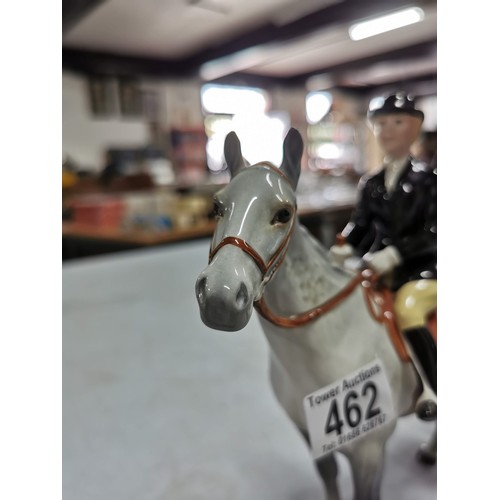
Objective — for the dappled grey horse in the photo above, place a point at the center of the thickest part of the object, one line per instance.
(262, 257)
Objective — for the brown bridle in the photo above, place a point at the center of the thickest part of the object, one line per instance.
(366, 278)
(271, 266)
(266, 269)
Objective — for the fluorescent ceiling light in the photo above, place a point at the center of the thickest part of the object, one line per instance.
(389, 22)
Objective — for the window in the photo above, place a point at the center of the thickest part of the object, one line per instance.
(244, 110)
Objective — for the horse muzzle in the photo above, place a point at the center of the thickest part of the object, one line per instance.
(226, 306)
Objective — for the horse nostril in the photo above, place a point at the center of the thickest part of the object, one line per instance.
(201, 290)
(242, 297)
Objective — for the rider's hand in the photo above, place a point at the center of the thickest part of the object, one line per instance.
(339, 253)
(384, 260)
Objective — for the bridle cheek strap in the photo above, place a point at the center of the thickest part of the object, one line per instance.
(267, 269)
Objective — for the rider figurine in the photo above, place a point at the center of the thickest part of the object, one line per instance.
(393, 229)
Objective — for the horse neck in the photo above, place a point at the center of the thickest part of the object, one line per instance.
(306, 278)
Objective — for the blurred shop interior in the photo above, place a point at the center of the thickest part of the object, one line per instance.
(151, 88)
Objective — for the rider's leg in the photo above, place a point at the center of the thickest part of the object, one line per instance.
(423, 352)
(413, 303)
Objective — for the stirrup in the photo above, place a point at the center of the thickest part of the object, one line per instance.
(426, 410)
(426, 405)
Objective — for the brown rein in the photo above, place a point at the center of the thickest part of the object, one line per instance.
(310, 315)
(383, 299)
(367, 279)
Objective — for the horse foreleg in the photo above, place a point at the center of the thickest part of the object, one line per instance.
(427, 453)
(367, 464)
(327, 469)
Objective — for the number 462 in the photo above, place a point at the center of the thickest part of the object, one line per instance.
(352, 411)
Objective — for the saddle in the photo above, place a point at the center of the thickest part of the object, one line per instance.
(380, 303)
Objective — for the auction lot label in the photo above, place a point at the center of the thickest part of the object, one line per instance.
(348, 409)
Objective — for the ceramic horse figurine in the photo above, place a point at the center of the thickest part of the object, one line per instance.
(261, 256)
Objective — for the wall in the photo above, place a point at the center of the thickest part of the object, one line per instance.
(86, 137)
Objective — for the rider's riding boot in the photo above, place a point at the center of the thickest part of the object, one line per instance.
(423, 352)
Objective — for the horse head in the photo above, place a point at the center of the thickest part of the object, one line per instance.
(255, 216)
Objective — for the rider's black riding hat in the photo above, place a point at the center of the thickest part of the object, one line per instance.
(396, 103)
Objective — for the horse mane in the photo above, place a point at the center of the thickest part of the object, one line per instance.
(321, 252)
(308, 270)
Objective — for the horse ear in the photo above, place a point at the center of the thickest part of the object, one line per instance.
(232, 153)
(293, 148)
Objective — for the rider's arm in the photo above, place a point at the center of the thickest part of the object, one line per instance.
(358, 232)
(423, 237)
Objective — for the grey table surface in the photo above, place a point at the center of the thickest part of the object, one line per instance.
(156, 406)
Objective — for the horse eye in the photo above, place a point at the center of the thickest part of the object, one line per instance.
(282, 216)
(216, 210)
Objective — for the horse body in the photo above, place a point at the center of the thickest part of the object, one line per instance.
(260, 250)
(308, 357)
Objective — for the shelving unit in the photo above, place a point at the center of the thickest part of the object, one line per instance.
(189, 155)
(333, 146)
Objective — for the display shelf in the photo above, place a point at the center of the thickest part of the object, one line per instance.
(188, 150)
(139, 237)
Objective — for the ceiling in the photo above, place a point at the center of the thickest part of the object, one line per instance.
(290, 41)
